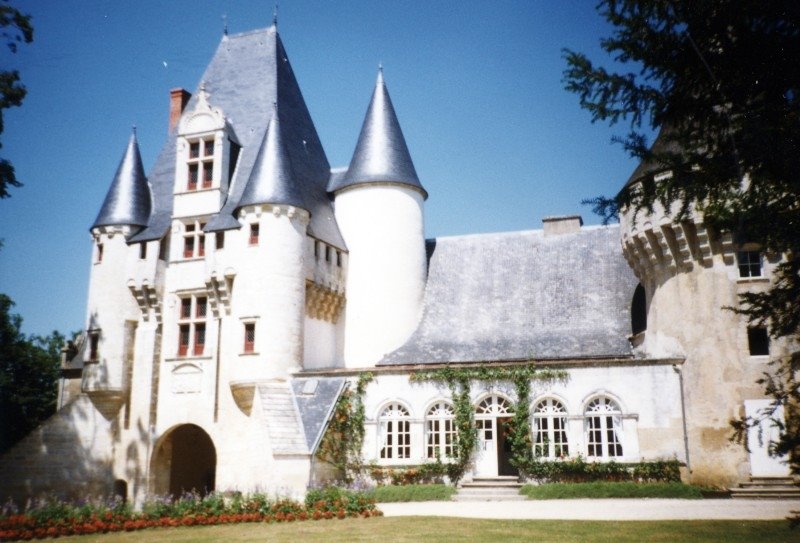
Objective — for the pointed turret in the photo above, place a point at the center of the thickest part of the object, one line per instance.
(271, 179)
(128, 199)
(381, 154)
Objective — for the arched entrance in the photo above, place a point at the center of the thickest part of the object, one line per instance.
(184, 460)
(492, 417)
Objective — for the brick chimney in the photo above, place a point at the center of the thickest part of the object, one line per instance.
(178, 98)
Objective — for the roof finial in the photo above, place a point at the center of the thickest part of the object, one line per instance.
(224, 24)
(275, 15)
(134, 128)
(380, 66)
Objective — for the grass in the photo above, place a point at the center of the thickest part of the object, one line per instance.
(562, 491)
(436, 530)
(412, 493)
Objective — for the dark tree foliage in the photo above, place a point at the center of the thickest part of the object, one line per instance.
(720, 81)
(28, 376)
(15, 28)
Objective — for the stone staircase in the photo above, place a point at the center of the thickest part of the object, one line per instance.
(494, 489)
(767, 488)
(283, 420)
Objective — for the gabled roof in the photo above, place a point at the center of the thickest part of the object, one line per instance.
(381, 154)
(271, 179)
(128, 199)
(523, 295)
(247, 75)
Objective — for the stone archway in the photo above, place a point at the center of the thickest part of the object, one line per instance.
(184, 460)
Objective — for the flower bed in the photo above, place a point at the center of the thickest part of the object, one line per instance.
(54, 518)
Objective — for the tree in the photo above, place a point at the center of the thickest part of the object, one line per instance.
(720, 81)
(16, 29)
(29, 368)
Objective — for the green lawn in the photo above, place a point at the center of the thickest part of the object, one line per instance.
(433, 530)
(412, 493)
(563, 491)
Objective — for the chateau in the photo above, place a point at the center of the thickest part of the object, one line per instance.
(242, 284)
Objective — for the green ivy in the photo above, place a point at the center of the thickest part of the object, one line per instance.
(342, 443)
(459, 379)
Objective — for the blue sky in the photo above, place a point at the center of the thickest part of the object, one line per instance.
(477, 87)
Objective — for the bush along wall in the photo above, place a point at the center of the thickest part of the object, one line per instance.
(54, 518)
(578, 470)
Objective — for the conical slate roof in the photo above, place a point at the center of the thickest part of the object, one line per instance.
(271, 179)
(128, 199)
(381, 154)
(247, 75)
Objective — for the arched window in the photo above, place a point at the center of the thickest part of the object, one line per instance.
(603, 428)
(441, 431)
(493, 405)
(395, 426)
(550, 429)
(638, 310)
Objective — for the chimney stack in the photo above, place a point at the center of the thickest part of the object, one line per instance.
(178, 98)
(564, 224)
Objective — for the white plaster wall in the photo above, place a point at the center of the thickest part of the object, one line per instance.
(648, 394)
(383, 227)
(110, 305)
(269, 289)
(320, 345)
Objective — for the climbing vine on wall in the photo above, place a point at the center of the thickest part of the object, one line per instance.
(458, 380)
(344, 437)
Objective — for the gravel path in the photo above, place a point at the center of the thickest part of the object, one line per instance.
(616, 509)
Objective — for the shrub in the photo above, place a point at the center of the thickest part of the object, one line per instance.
(578, 470)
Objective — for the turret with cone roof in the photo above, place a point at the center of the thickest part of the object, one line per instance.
(381, 154)
(272, 180)
(128, 199)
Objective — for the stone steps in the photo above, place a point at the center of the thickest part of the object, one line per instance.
(503, 488)
(767, 488)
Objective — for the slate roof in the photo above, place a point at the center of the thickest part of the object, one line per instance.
(316, 407)
(521, 295)
(271, 179)
(247, 75)
(128, 199)
(381, 154)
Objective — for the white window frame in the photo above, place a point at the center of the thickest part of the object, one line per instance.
(550, 432)
(394, 423)
(440, 431)
(603, 429)
(193, 230)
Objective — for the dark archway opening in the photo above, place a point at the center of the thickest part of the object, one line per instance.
(639, 310)
(185, 461)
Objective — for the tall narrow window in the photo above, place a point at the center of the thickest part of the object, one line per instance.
(200, 164)
(758, 341)
(749, 263)
(219, 240)
(249, 337)
(192, 315)
(440, 431)
(143, 250)
(99, 252)
(638, 311)
(253, 234)
(194, 240)
(94, 344)
(395, 431)
(603, 429)
(550, 429)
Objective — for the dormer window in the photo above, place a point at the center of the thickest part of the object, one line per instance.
(200, 164)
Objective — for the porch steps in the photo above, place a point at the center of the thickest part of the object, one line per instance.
(493, 489)
(767, 488)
